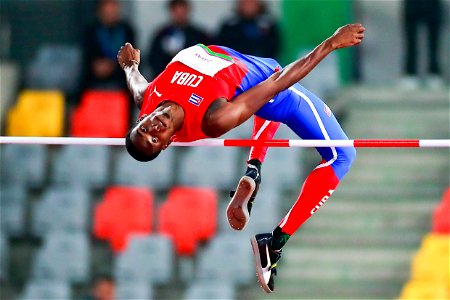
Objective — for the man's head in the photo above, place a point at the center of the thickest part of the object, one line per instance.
(249, 9)
(151, 135)
(109, 12)
(104, 288)
(179, 11)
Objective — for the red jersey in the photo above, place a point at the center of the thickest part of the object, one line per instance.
(194, 79)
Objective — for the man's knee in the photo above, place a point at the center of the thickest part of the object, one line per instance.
(346, 156)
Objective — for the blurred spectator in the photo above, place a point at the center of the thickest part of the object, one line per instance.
(101, 43)
(251, 30)
(104, 288)
(178, 34)
(428, 14)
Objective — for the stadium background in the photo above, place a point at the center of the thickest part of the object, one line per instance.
(362, 244)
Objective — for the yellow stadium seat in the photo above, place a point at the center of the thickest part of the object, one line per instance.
(424, 290)
(431, 267)
(432, 261)
(436, 243)
(37, 113)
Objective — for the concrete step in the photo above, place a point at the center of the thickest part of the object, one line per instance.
(392, 239)
(409, 155)
(345, 257)
(368, 223)
(389, 192)
(396, 176)
(369, 97)
(334, 290)
(345, 208)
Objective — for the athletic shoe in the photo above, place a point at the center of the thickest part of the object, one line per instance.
(265, 260)
(240, 206)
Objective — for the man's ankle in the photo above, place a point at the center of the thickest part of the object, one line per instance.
(279, 239)
(254, 170)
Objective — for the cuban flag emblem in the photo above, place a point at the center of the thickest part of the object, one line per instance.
(195, 99)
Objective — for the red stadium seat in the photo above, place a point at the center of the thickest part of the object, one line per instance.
(124, 211)
(189, 216)
(101, 114)
(441, 220)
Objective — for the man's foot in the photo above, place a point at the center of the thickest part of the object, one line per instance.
(265, 260)
(240, 206)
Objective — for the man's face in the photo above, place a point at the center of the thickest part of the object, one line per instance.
(154, 132)
(180, 14)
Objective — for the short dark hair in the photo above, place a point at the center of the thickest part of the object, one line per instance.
(172, 3)
(136, 153)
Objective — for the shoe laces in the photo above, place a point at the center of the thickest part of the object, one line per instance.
(275, 255)
(253, 172)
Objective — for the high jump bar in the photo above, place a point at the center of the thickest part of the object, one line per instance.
(361, 143)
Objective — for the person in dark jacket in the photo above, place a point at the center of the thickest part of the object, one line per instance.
(178, 34)
(102, 40)
(251, 30)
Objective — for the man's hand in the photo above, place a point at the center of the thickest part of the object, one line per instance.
(348, 35)
(128, 56)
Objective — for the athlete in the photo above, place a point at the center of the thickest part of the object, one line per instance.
(206, 91)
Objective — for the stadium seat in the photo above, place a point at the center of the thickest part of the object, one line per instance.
(23, 164)
(431, 263)
(219, 171)
(441, 220)
(134, 290)
(12, 209)
(64, 256)
(9, 74)
(282, 167)
(46, 289)
(157, 175)
(266, 211)
(55, 67)
(37, 113)
(189, 215)
(148, 259)
(210, 289)
(4, 255)
(81, 165)
(101, 114)
(61, 209)
(422, 290)
(228, 258)
(123, 212)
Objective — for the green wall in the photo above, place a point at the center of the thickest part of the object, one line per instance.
(306, 23)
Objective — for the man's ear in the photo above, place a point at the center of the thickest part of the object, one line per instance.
(168, 144)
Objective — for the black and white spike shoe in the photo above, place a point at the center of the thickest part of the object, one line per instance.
(265, 260)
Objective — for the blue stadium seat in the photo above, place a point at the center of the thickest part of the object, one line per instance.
(134, 290)
(23, 164)
(157, 175)
(61, 209)
(4, 252)
(86, 165)
(148, 259)
(55, 67)
(209, 166)
(266, 211)
(210, 289)
(227, 258)
(12, 209)
(64, 256)
(46, 289)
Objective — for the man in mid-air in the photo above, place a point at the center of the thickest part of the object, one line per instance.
(205, 91)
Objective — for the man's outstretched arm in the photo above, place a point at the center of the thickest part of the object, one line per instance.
(228, 115)
(129, 59)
